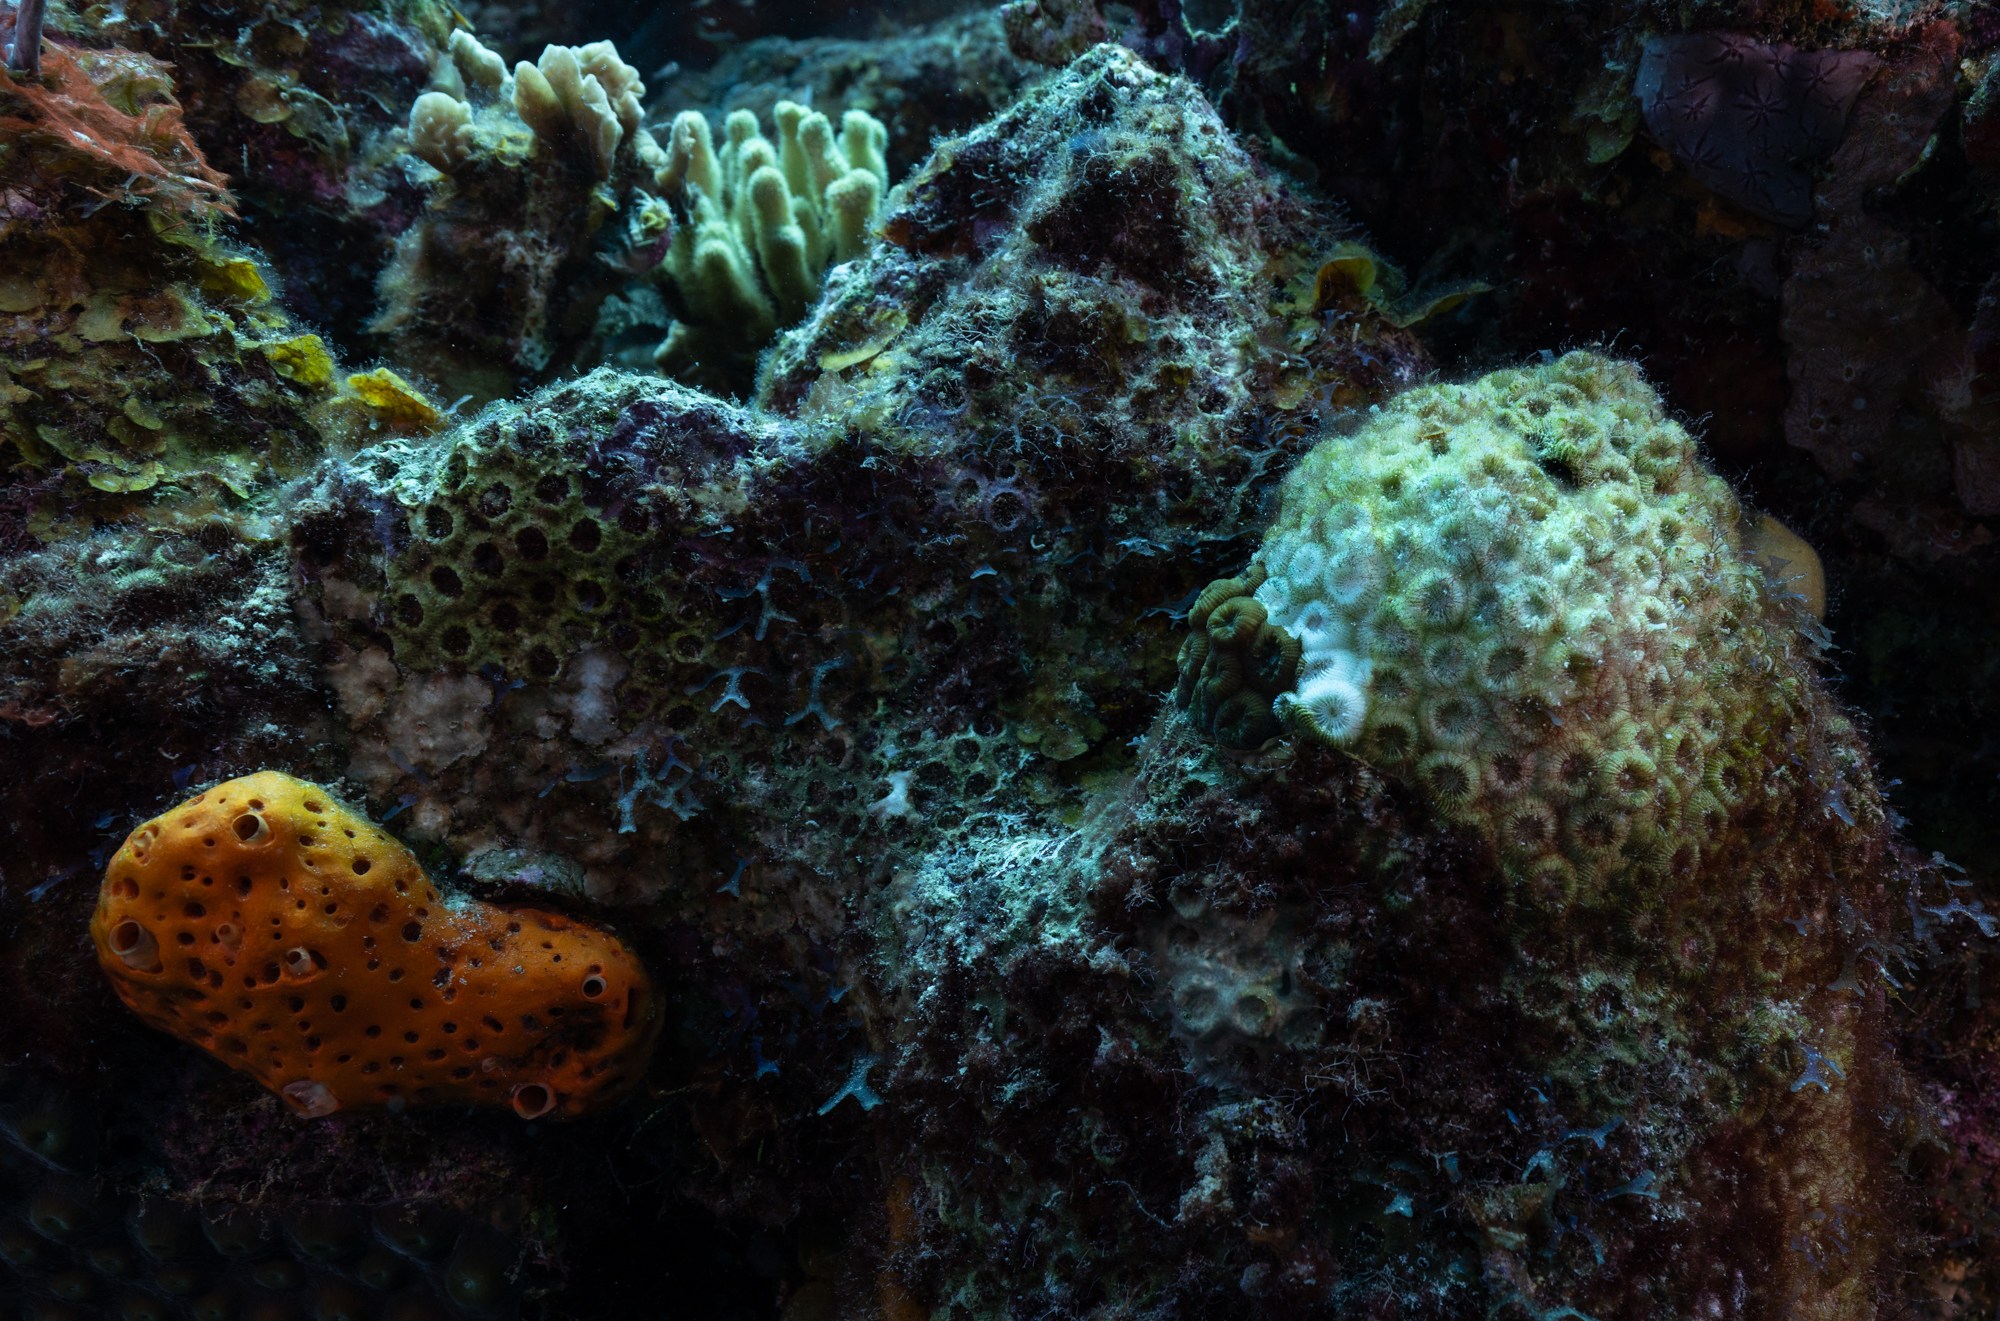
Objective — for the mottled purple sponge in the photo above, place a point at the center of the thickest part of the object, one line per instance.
(1747, 119)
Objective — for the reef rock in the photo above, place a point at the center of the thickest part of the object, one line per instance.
(1471, 901)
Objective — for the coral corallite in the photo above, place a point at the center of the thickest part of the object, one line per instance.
(298, 942)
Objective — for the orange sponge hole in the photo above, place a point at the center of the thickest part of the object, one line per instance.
(295, 940)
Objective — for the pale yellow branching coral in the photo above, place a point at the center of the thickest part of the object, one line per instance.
(497, 279)
(762, 221)
(739, 238)
(441, 130)
(585, 91)
(476, 65)
(573, 96)
(442, 120)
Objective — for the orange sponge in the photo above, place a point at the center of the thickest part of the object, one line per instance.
(295, 940)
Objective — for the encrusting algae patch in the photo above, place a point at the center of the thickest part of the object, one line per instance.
(296, 941)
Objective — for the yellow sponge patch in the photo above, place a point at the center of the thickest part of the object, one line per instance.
(294, 940)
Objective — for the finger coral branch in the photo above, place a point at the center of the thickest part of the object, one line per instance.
(761, 223)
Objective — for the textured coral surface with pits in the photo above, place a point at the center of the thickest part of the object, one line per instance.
(1526, 596)
(296, 941)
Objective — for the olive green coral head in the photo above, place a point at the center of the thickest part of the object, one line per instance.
(1525, 597)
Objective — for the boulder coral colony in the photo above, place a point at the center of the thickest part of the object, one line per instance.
(1142, 762)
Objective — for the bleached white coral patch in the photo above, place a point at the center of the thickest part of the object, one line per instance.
(1331, 696)
(897, 801)
(593, 697)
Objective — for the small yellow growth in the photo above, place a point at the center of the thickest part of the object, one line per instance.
(394, 401)
(63, 443)
(143, 414)
(1351, 265)
(19, 293)
(262, 101)
(303, 359)
(102, 320)
(879, 334)
(237, 279)
(165, 315)
(12, 391)
(1354, 270)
